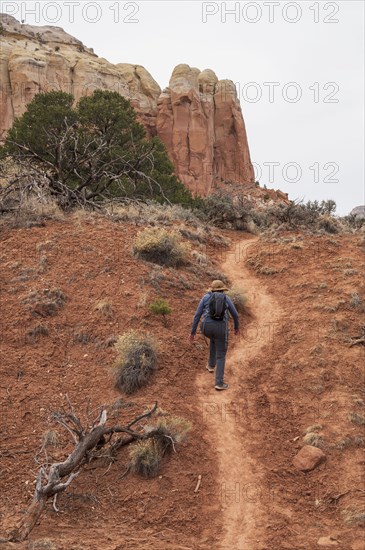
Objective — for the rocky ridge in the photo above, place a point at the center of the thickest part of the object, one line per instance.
(198, 117)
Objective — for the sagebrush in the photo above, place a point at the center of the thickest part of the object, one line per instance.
(160, 246)
(136, 361)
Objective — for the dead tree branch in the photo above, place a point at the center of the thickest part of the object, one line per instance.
(55, 478)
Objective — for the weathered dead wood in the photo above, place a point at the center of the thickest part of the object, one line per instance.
(54, 479)
(357, 341)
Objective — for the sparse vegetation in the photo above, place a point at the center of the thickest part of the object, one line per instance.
(45, 302)
(105, 308)
(160, 246)
(222, 211)
(167, 433)
(36, 332)
(355, 300)
(136, 362)
(160, 307)
(29, 205)
(50, 439)
(150, 212)
(356, 418)
(170, 430)
(89, 441)
(354, 515)
(314, 439)
(267, 270)
(82, 337)
(146, 458)
(142, 300)
(201, 259)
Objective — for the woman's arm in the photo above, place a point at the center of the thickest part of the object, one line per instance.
(198, 314)
(233, 312)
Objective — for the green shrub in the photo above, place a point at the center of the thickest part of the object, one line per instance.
(160, 307)
(136, 361)
(113, 159)
(160, 246)
(238, 298)
(222, 211)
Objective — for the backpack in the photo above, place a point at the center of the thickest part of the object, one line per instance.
(217, 306)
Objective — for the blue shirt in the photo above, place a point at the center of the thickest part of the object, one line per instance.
(203, 309)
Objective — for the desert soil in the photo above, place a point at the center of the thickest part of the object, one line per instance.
(292, 368)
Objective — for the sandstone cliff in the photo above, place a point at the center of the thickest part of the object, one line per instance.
(198, 117)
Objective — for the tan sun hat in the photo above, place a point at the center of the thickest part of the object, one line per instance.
(217, 285)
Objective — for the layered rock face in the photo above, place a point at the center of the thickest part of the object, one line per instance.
(41, 59)
(200, 121)
(198, 117)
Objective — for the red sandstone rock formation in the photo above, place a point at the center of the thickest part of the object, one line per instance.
(198, 117)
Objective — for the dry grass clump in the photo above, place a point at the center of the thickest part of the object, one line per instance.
(105, 308)
(26, 202)
(215, 274)
(50, 439)
(238, 298)
(32, 212)
(200, 235)
(136, 362)
(356, 418)
(171, 431)
(201, 259)
(36, 332)
(45, 302)
(348, 442)
(357, 302)
(152, 213)
(266, 270)
(329, 224)
(167, 432)
(43, 544)
(142, 300)
(312, 437)
(160, 246)
(354, 515)
(146, 458)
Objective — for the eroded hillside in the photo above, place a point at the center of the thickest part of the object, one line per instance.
(296, 368)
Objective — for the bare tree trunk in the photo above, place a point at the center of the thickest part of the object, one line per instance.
(29, 520)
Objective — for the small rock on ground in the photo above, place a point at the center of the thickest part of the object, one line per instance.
(308, 458)
(327, 541)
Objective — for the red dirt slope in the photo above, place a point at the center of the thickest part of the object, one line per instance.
(292, 368)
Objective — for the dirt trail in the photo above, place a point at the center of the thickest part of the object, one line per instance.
(240, 480)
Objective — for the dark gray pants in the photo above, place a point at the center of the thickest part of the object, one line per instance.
(217, 332)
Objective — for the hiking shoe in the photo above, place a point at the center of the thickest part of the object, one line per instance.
(210, 369)
(224, 386)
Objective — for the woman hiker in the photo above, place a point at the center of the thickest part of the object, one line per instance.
(214, 307)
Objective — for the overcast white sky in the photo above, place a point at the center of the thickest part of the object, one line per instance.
(312, 51)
